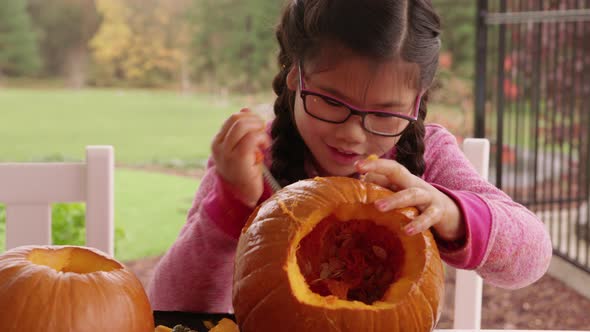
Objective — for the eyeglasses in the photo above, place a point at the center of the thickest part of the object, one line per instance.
(333, 110)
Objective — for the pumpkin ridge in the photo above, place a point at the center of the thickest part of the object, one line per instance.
(425, 298)
(255, 273)
(289, 212)
(253, 250)
(103, 297)
(54, 300)
(334, 187)
(286, 299)
(331, 321)
(273, 292)
(33, 290)
(4, 287)
(43, 299)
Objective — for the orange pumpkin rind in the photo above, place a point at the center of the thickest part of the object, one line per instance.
(270, 289)
(70, 288)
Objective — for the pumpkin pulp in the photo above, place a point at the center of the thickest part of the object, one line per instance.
(355, 260)
(72, 259)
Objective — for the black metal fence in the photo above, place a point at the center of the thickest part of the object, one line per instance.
(533, 103)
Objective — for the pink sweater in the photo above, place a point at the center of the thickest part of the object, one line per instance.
(506, 243)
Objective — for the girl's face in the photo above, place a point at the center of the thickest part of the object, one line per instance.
(360, 82)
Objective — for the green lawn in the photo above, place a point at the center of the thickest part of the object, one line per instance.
(150, 208)
(145, 127)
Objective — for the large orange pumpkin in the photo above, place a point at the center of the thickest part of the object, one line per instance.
(318, 256)
(70, 288)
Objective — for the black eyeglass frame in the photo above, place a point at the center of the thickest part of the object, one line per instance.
(304, 92)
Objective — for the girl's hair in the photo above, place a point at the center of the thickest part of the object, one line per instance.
(407, 30)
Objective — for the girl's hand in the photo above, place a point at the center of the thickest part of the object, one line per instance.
(436, 209)
(236, 150)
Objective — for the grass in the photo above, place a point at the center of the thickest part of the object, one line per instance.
(151, 208)
(144, 126)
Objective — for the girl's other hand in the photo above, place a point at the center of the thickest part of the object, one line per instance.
(437, 210)
(235, 149)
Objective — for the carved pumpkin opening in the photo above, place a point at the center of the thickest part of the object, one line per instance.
(355, 260)
(73, 259)
(284, 275)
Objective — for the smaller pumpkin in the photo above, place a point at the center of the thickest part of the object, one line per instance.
(70, 288)
(318, 256)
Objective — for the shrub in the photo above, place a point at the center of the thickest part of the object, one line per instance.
(68, 225)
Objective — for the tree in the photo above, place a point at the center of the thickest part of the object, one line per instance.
(110, 43)
(19, 54)
(65, 27)
(458, 33)
(143, 42)
(234, 41)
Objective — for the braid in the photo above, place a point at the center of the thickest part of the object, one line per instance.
(421, 46)
(406, 30)
(410, 148)
(288, 149)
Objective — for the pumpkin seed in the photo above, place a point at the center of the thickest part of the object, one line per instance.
(325, 271)
(379, 252)
(307, 268)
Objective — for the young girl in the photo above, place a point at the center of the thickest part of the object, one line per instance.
(353, 81)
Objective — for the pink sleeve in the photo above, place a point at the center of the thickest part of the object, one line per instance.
(467, 253)
(506, 243)
(196, 273)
